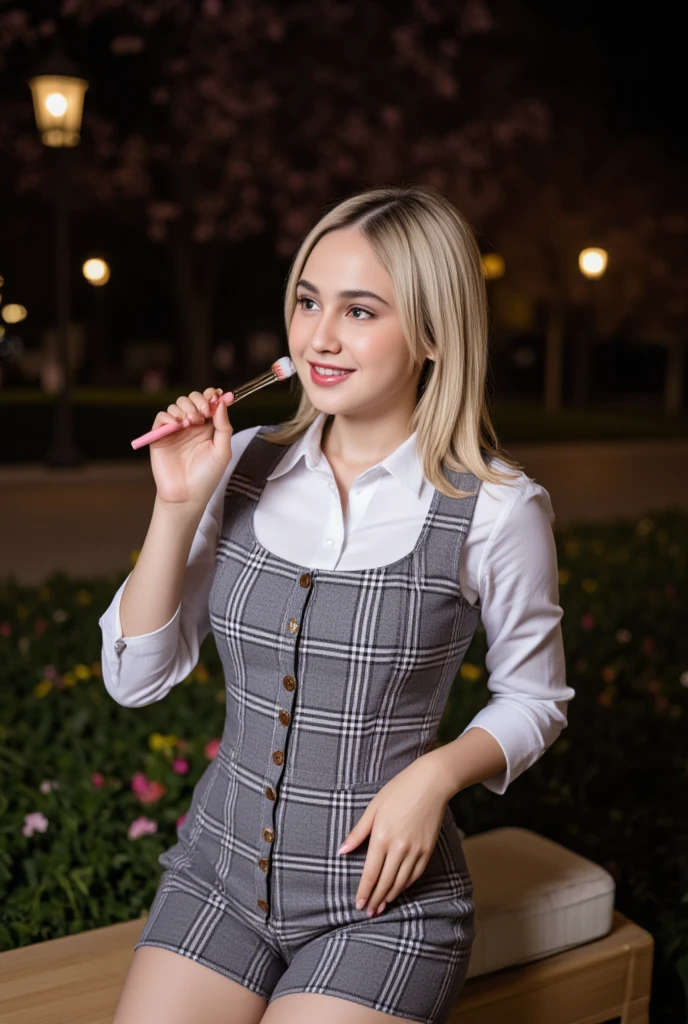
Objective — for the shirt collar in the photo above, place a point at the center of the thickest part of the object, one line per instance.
(403, 463)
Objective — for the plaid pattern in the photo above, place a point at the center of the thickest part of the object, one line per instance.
(336, 681)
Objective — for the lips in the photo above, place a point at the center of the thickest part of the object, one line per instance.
(327, 380)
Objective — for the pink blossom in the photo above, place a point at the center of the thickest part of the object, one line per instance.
(40, 626)
(141, 827)
(47, 786)
(180, 766)
(180, 820)
(587, 621)
(5, 629)
(211, 748)
(147, 790)
(97, 779)
(139, 783)
(50, 672)
(35, 822)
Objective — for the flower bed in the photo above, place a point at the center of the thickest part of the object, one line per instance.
(91, 792)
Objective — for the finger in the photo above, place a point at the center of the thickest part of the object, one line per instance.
(176, 412)
(387, 879)
(201, 404)
(374, 863)
(409, 871)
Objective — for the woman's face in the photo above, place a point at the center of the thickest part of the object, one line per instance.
(346, 317)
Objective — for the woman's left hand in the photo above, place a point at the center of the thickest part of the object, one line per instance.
(404, 820)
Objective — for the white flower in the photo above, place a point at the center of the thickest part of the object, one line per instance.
(683, 678)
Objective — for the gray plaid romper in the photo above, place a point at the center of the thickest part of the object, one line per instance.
(336, 681)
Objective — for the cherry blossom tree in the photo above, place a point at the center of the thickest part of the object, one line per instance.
(207, 123)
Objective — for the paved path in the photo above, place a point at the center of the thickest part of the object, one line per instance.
(88, 521)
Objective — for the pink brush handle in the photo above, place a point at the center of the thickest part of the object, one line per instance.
(170, 428)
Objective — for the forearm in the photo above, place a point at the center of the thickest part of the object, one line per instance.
(467, 760)
(154, 589)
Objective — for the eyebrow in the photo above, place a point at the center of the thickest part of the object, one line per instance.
(351, 293)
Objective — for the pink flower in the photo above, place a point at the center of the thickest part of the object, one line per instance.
(50, 672)
(180, 766)
(147, 790)
(97, 779)
(211, 748)
(5, 629)
(35, 822)
(180, 820)
(139, 783)
(587, 622)
(141, 827)
(40, 626)
(47, 786)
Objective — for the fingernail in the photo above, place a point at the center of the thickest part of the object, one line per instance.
(369, 912)
(381, 908)
(360, 904)
(341, 848)
(187, 421)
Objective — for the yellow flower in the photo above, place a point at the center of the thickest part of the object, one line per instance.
(82, 672)
(201, 674)
(564, 576)
(43, 688)
(133, 557)
(589, 585)
(69, 679)
(156, 741)
(471, 672)
(84, 597)
(96, 669)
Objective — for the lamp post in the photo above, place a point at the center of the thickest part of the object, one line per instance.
(592, 264)
(58, 101)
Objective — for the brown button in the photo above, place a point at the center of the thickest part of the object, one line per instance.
(289, 683)
(262, 904)
(284, 717)
(293, 625)
(278, 757)
(305, 580)
(268, 835)
(270, 793)
(263, 863)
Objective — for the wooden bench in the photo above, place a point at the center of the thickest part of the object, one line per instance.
(77, 980)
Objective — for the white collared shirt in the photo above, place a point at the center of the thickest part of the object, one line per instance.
(508, 562)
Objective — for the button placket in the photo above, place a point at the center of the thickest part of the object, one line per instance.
(284, 718)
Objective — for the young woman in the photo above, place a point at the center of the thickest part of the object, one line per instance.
(343, 561)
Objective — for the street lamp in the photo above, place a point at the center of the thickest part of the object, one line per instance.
(58, 102)
(592, 263)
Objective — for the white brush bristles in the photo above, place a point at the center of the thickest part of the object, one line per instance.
(283, 368)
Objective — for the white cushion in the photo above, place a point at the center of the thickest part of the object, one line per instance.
(533, 898)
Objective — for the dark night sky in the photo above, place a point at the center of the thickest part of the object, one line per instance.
(634, 53)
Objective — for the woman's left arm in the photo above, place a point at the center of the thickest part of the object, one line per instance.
(518, 586)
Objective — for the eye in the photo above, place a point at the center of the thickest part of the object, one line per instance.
(304, 298)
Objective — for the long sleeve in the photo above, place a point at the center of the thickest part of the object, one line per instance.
(519, 599)
(138, 670)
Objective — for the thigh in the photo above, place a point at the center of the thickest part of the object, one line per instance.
(164, 987)
(314, 1009)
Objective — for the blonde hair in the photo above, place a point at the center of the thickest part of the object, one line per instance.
(434, 262)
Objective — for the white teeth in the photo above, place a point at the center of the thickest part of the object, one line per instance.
(330, 372)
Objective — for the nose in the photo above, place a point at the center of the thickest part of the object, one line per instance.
(324, 337)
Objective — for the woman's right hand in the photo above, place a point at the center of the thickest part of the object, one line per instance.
(188, 464)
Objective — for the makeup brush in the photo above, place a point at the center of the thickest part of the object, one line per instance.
(280, 370)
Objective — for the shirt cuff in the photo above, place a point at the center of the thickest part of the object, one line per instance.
(156, 648)
(518, 737)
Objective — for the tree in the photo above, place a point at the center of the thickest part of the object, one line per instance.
(207, 123)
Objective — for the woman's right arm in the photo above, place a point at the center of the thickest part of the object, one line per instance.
(156, 622)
